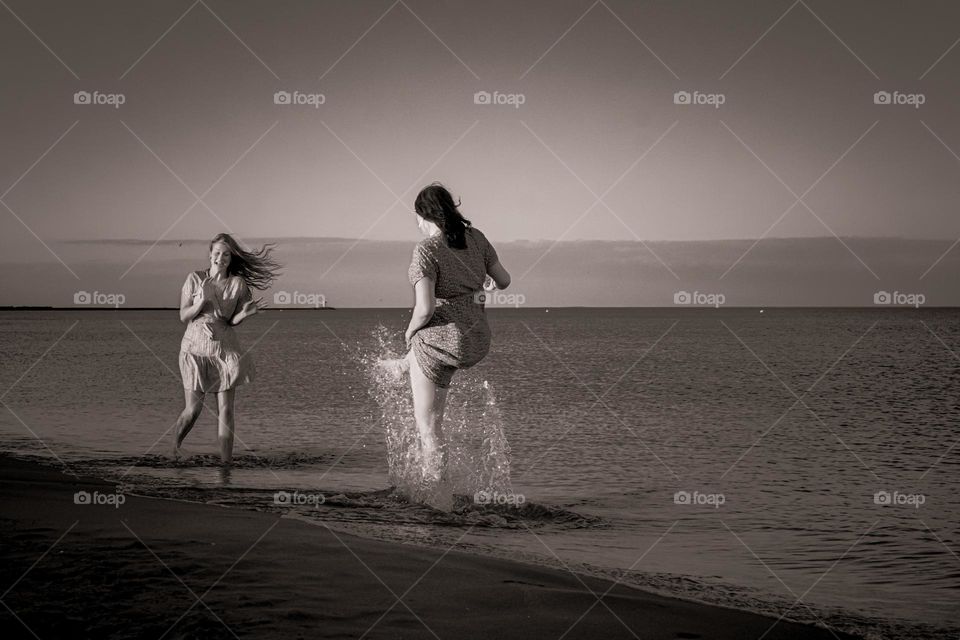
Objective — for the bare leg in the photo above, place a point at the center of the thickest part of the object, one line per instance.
(226, 426)
(429, 402)
(193, 405)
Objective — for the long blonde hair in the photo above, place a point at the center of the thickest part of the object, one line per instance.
(257, 268)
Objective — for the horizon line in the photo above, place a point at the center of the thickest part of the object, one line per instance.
(136, 241)
(677, 307)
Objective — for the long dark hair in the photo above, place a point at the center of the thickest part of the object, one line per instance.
(434, 203)
(257, 268)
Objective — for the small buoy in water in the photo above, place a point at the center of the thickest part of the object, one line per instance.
(546, 310)
(761, 310)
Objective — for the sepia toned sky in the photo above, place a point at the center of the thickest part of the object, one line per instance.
(588, 145)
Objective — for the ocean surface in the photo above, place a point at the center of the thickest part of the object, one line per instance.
(798, 462)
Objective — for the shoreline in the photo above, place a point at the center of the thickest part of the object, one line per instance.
(675, 307)
(131, 570)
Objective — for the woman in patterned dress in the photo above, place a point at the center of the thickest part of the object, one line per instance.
(212, 302)
(448, 330)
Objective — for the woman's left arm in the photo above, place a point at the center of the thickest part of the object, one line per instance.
(424, 306)
(248, 307)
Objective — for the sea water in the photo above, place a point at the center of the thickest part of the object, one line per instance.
(621, 429)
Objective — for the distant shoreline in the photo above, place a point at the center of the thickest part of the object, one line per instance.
(504, 307)
(94, 308)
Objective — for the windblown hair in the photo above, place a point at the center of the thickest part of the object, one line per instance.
(434, 203)
(257, 268)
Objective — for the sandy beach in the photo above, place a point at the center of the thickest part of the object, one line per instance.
(153, 568)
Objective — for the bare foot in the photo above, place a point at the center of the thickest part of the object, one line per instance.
(179, 455)
(178, 452)
(439, 494)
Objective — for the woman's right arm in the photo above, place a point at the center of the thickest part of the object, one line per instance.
(190, 304)
(424, 305)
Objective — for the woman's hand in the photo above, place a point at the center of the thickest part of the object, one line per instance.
(193, 302)
(205, 292)
(408, 336)
(249, 308)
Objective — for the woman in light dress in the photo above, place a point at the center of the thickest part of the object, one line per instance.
(448, 330)
(212, 302)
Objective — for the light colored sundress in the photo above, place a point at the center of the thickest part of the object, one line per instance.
(457, 336)
(215, 364)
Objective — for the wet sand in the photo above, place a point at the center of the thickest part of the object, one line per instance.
(154, 568)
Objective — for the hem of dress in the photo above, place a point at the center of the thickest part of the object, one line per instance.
(194, 382)
(418, 353)
(239, 383)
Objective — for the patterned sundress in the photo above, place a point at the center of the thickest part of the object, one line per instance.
(457, 336)
(215, 364)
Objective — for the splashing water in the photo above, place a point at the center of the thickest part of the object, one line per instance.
(477, 452)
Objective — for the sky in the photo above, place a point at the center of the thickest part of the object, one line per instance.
(588, 148)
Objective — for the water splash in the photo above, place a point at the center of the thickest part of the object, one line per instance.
(392, 395)
(476, 448)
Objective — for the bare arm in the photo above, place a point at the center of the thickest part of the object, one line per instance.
(424, 306)
(190, 304)
(500, 275)
(249, 308)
